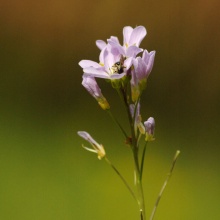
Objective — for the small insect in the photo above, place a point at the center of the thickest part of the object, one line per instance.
(118, 66)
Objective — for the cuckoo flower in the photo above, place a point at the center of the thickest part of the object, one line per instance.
(115, 59)
(142, 68)
(111, 66)
(149, 129)
(132, 38)
(97, 148)
(92, 87)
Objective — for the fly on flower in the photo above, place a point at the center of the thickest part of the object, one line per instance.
(118, 67)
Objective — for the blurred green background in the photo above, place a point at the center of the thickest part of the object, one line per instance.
(44, 172)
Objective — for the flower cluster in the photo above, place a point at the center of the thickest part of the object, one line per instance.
(126, 70)
(118, 62)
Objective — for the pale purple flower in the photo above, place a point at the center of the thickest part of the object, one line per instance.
(97, 148)
(131, 42)
(105, 68)
(113, 51)
(134, 36)
(112, 54)
(139, 74)
(149, 129)
(92, 87)
(143, 65)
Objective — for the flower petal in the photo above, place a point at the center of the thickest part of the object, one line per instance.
(127, 34)
(132, 51)
(128, 63)
(151, 61)
(100, 73)
(137, 35)
(91, 86)
(89, 63)
(101, 44)
(148, 58)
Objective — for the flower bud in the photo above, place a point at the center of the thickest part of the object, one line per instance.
(92, 87)
(149, 129)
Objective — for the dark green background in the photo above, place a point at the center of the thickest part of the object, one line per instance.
(44, 172)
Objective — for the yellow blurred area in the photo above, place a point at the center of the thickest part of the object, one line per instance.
(44, 172)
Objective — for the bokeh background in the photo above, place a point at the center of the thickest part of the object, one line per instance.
(44, 172)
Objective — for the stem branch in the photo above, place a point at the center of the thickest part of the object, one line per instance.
(122, 178)
(164, 185)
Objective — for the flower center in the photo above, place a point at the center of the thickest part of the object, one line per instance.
(118, 66)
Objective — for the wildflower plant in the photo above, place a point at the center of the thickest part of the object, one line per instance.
(127, 67)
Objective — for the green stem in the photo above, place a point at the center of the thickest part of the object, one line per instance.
(122, 178)
(142, 161)
(139, 186)
(164, 185)
(122, 95)
(134, 145)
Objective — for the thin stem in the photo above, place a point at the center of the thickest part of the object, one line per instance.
(117, 123)
(142, 161)
(134, 146)
(139, 185)
(122, 178)
(122, 94)
(164, 185)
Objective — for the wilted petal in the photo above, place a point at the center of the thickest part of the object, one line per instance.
(97, 148)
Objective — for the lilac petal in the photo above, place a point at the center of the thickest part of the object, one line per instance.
(91, 86)
(137, 36)
(113, 40)
(132, 51)
(142, 70)
(150, 125)
(102, 55)
(134, 80)
(99, 73)
(109, 61)
(146, 56)
(115, 48)
(128, 62)
(127, 34)
(151, 61)
(117, 76)
(87, 137)
(136, 62)
(101, 44)
(88, 63)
